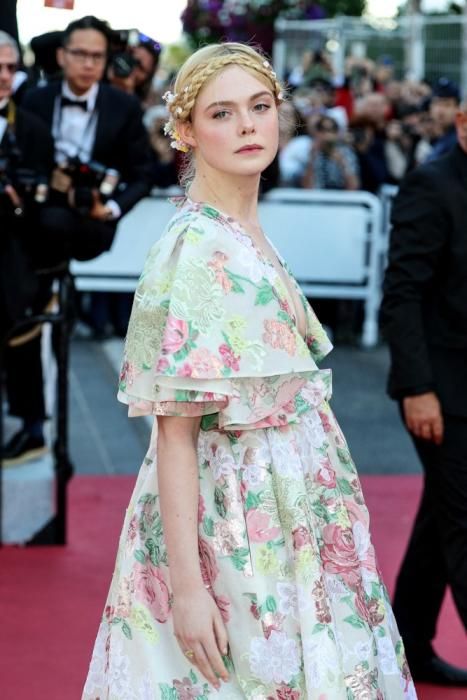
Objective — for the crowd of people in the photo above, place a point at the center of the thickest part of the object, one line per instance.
(364, 129)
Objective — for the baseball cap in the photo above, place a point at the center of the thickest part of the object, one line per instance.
(444, 87)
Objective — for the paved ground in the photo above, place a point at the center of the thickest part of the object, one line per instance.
(104, 441)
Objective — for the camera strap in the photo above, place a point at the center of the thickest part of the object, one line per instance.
(85, 145)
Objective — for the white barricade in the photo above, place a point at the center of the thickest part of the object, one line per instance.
(330, 239)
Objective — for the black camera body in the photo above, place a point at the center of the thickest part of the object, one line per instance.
(29, 186)
(86, 179)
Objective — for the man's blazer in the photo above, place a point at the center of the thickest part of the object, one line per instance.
(424, 308)
(121, 140)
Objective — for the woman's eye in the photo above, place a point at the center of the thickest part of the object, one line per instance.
(261, 107)
(220, 115)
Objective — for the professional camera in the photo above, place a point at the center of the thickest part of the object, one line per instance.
(25, 181)
(86, 179)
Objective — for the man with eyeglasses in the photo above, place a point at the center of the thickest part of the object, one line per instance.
(424, 319)
(94, 127)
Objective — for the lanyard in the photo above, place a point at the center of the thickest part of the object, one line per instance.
(91, 124)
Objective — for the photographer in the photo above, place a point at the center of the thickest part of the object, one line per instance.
(26, 160)
(102, 170)
(332, 164)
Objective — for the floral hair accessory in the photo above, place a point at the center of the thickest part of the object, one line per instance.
(169, 127)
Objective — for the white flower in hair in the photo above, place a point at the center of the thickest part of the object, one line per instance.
(266, 64)
(178, 110)
(168, 97)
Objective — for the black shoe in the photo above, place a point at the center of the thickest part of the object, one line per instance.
(23, 447)
(432, 669)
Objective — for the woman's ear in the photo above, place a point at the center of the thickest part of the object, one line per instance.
(185, 129)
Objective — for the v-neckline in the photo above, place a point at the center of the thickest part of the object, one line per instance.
(284, 280)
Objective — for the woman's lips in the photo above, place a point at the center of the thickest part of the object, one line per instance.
(253, 148)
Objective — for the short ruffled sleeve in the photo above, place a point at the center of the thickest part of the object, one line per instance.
(210, 333)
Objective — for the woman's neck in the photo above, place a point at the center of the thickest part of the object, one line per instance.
(235, 196)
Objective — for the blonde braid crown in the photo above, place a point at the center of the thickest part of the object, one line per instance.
(201, 67)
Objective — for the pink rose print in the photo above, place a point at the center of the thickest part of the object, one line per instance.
(162, 365)
(286, 693)
(258, 527)
(186, 370)
(280, 336)
(228, 357)
(325, 422)
(207, 560)
(152, 591)
(326, 475)
(186, 690)
(254, 610)
(370, 610)
(339, 555)
(204, 364)
(217, 265)
(301, 537)
(223, 604)
(175, 335)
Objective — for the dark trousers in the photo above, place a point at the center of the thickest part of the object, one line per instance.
(24, 380)
(436, 556)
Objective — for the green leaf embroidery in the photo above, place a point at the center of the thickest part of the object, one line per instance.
(345, 487)
(167, 692)
(270, 604)
(252, 500)
(239, 558)
(355, 621)
(208, 526)
(265, 294)
(236, 286)
(140, 556)
(219, 501)
(126, 629)
(193, 676)
(319, 627)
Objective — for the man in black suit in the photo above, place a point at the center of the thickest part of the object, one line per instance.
(91, 122)
(424, 319)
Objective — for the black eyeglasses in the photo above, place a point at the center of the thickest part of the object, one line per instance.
(81, 56)
(9, 67)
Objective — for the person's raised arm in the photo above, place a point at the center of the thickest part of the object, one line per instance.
(198, 624)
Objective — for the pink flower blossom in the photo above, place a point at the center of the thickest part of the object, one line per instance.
(280, 336)
(287, 693)
(301, 537)
(223, 604)
(162, 365)
(229, 358)
(258, 527)
(204, 364)
(186, 690)
(217, 265)
(326, 475)
(152, 590)
(186, 370)
(175, 335)
(207, 561)
(339, 555)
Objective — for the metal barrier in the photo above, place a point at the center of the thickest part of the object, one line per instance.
(330, 239)
(55, 530)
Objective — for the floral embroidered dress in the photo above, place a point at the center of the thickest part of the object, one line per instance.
(284, 544)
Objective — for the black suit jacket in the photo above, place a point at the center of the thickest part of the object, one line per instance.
(121, 140)
(17, 279)
(424, 308)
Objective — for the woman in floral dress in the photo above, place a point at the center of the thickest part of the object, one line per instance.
(245, 567)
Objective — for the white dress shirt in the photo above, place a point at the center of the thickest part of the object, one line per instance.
(74, 130)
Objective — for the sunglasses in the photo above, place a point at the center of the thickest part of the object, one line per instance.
(10, 67)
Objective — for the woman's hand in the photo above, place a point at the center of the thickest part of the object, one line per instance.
(199, 629)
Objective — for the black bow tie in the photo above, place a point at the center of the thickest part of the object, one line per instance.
(4, 111)
(68, 102)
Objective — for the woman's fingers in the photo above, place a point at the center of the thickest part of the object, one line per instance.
(221, 634)
(205, 665)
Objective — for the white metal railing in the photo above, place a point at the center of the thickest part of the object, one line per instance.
(331, 239)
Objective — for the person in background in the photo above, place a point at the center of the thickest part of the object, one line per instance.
(164, 167)
(90, 122)
(424, 320)
(332, 164)
(146, 55)
(443, 109)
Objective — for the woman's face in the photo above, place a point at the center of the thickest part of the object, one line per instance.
(235, 125)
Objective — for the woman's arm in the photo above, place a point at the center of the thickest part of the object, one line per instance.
(198, 624)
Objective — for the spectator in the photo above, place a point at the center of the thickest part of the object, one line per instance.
(370, 154)
(332, 164)
(163, 158)
(444, 106)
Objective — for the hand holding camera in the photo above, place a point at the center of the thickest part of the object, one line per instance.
(88, 186)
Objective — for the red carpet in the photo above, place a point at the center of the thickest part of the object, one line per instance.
(52, 598)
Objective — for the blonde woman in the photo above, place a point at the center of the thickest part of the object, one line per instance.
(245, 567)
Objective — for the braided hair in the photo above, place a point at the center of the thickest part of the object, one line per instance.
(204, 65)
